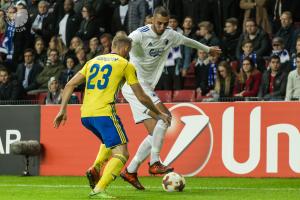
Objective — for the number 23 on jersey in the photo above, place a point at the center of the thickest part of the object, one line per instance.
(101, 80)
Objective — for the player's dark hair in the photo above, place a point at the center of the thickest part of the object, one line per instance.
(161, 11)
(121, 40)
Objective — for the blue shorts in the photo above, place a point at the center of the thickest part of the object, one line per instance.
(109, 129)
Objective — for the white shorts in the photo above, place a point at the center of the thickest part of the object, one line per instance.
(137, 108)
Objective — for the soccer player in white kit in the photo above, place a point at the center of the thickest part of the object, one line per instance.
(151, 45)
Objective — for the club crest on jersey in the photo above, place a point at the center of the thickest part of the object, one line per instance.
(156, 52)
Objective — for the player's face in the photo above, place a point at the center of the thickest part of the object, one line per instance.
(160, 24)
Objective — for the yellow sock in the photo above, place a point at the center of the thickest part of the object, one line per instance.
(103, 156)
(111, 171)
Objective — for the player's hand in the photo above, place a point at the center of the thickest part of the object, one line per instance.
(214, 50)
(61, 117)
(166, 118)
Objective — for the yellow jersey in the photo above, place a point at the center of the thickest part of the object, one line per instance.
(104, 76)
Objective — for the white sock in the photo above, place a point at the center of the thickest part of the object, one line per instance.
(157, 140)
(142, 153)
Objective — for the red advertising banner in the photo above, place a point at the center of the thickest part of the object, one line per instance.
(236, 139)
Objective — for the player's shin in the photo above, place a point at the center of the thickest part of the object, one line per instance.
(103, 156)
(111, 171)
(157, 140)
(142, 153)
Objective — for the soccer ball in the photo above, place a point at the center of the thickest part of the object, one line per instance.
(173, 182)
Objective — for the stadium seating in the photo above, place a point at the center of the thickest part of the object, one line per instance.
(41, 97)
(189, 80)
(79, 96)
(164, 95)
(184, 96)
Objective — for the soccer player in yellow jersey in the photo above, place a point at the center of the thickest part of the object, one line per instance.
(104, 75)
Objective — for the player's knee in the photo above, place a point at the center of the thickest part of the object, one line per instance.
(161, 124)
(126, 155)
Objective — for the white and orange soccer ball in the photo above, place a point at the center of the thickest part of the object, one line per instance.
(173, 182)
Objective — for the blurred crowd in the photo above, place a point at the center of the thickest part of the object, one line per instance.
(45, 43)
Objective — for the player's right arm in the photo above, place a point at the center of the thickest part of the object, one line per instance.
(61, 117)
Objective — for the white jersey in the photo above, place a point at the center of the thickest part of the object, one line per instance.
(150, 51)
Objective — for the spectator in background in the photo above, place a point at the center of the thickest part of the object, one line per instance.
(247, 47)
(94, 48)
(275, 9)
(5, 4)
(2, 29)
(9, 88)
(230, 39)
(248, 80)
(293, 63)
(256, 9)
(53, 68)
(201, 72)
(89, 26)
(259, 38)
(69, 72)
(206, 34)
(2, 13)
(54, 94)
(148, 19)
(32, 8)
(22, 36)
(221, 10)
(8, 42)
(136, 14)
(75, 43)
(68, 23)
(81, 57)
(186, 51)
(214, 61)
(274, 81)
(120, 18)
(106, 40)
(57, 43)
(152, 4)
(282, 53)
(27, 72)
(287, 30)
(293, 83)
(78, 4)
(224, 83)
(40, 52)
(43, 23)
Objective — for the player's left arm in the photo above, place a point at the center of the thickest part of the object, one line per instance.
(197, 45)
(61, 117)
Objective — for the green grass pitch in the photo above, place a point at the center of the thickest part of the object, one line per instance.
(59, 188)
